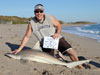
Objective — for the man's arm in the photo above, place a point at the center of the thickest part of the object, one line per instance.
(25, 39)
(58, 26)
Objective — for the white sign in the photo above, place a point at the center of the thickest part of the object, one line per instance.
(50, 42)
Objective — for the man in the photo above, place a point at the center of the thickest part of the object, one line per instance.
(46, 25)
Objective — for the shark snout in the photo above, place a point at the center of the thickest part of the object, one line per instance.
(8, 55)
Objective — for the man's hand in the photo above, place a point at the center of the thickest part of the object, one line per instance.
(55, 36)
(16, 51)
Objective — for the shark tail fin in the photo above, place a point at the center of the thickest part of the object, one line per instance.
(76, 63)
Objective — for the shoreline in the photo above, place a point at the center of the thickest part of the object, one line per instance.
(10, 39)
(70, 25)
(75, 25)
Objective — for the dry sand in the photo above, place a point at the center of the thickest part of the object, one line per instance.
(10, 39)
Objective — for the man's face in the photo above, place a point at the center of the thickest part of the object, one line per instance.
(39, 14)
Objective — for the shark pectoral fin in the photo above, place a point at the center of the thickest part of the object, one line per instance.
(76, 63)
(37, 46)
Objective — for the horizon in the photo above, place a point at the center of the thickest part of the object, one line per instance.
(67, 11)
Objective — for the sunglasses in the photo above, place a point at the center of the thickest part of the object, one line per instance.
(37, 11)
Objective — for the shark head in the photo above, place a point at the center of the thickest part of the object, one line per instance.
(11, 55)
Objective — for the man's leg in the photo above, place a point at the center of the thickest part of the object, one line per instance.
(65, 47)
(74, 56)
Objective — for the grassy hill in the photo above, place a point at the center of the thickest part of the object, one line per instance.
(83, 22)
(17, 20)
(14, 19)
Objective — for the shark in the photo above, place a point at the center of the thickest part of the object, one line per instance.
(42, 57)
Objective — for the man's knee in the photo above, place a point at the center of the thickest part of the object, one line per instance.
(71, 52)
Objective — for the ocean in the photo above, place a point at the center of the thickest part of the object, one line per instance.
(88, 30)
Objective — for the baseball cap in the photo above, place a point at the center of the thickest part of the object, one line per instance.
(39, 7)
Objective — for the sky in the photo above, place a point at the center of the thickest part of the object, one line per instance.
(65, 10)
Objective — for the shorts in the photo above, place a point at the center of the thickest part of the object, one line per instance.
(62, 47)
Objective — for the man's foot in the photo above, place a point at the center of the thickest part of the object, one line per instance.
(80, 67)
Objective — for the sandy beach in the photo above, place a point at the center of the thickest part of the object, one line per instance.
(10, 39)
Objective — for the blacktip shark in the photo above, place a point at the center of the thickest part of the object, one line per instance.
(42, 57)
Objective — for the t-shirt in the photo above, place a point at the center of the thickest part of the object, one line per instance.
(41, 30)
